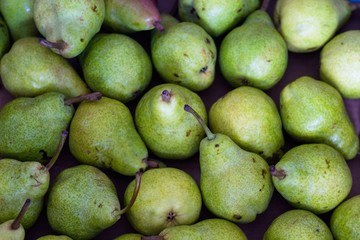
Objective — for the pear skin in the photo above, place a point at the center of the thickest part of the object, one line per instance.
(4, 38)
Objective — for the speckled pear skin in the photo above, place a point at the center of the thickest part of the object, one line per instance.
(18, 15)
(167, 130)
(117, 66)
(308, 25)
(185, 54)
(314, 111)
(73, 23)
(129, 236)
(82, 202)
(167, 197)
(4, 37)
(30, 69)
(31, 126)
(236, 184)
(18, 182)
(298, 224)
(339, 64)
(102, 133)
(7, 233)
(317, 177)
(54, 237)
(216, 17)
(251, 57)
(251, 119)
(345, 220)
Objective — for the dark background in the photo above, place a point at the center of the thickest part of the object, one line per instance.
(300, 64)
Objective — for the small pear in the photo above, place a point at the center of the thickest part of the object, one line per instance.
(167, 197)
(30, 69)
(314, 111)
(185, 54)
(68, 26)
(117, 66)
(298, 224)
(339, 63)
(166, 129)
(4, 37)
(103, 134)
(216, 17)
(235, 184)
(83, 201)
(345, 220)
(12, 229)
(129, 16)
(54, 237)
(312, 177)
(251, 119)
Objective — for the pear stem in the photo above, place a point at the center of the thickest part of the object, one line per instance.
(151, 163)
(265, 5)
(64, 135)
(135, 194)
(16, 223)
(209, 134)
(280, 174)
(152, 238)
(166, 96)
(90, 97)
(158, 26)
(60, 45)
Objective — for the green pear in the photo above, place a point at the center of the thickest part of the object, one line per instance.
(103, 134)
(30, 69)
(54, 237)
(185, 54)
(129, 16)
(25, 180)
(167, 197)
(251, 57)
(12, 229)
(251, 119)
(313, 177)
(83, 201)
(19, 17)
(339, 63)
(298, 224)
(314, 111)
(129, 236)
(68, 26)
(308, 24)
(235, 184)
(345, 220)
(216, 17)
(4, 37)
(117, 66)
(166, 129)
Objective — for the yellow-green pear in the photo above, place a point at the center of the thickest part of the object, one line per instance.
(54, 237)
(129, 236)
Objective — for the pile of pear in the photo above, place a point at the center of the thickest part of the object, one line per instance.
(115, 90)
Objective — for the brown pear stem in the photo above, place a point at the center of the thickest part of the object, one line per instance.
(135, 194)
(64, 135)
(152, 238)
(280, 174)
(151, 163)
(60, 45)
(158, 26)
(16, 223)
(90, 97)
(265, 5)
(209, 134)
(166, 95)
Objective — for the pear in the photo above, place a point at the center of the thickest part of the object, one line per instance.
(167, 21)
(185, 54)
(251, 119)
(216, 17)
(235, 184)
(307, 25)
(167, 197)
(103, 134)
(345, 220)
(117, 66)
(12, 229)
(4, 37)
(339, 63)
(251, 57)
(298, 224)
(313, 177)
(314, 111)
(68, 26)
(129, 16)
(30, 69)
(129, 236)
(209, 229)
(19, 17)
(31, 126)
(166, 129)
(54, 237)
(25, 180)
(83, 202)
